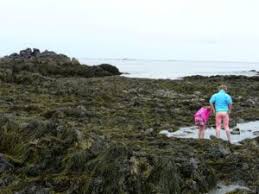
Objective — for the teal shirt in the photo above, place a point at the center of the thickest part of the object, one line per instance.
(221, 100)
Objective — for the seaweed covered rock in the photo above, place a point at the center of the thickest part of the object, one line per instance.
(49, 63)
(131, 171)
(131, 174)
(100, 135)
(4, 164)
(110, 69)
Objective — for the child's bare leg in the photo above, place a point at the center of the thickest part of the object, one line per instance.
(226, 126)
(218, 124)
(199, 132)
(203, 132)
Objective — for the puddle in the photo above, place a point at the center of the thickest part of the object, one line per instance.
(223, 189)
(248, 130)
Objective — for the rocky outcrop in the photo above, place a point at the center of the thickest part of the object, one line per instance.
(49, 63)
(70, 134)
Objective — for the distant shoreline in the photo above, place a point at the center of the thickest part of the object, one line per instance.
(167, 60)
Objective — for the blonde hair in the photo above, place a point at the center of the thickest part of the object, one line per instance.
(223, 87)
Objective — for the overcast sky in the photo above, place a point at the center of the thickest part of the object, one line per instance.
(151, 29)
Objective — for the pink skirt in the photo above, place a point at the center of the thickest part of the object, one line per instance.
(199, 121)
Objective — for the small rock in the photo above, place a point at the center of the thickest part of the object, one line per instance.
(27, 53)
(148, 131)
(252, 70)
(240, 120)
(212, 137)
(74, 61)
(245, 166)
(235, 131)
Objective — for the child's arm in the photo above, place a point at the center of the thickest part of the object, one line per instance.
(212, 108)
(230, 108)
(212, 101)
(230, 102)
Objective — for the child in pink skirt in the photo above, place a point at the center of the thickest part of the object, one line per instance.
(201, 118)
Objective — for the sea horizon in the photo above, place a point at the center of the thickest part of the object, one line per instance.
(175, 69)
(168, 60)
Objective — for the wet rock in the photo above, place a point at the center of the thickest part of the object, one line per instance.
(219, 151)
(76, 135)
(240, 191)
(245, 166)
(149, 131)
(133, 174)
(54, 114)
(213, 137)
(93, 146)
(79, 111)
(109, 68)
(33, 189)
(3, 119)
(232, 123)
(240, 120)
(8, 122)
(189, 167)
(5, 181)
(235, 131)
(4, 164)
(35, 124)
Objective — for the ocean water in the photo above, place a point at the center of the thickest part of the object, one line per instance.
(175, 69)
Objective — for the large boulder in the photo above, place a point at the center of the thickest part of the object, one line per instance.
(49, 63)
(111, 69)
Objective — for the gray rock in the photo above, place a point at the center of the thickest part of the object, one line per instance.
(27, 53)
(219, 151)
(36, 52)
(235, 131)
(33, 189)
(49, 63)
(74, 61)
(256, 133)
(4, 164)
(148, 131)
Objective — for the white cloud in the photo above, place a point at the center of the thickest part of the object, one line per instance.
(132, 28)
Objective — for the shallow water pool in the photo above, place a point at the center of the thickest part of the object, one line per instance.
(248, 130)
(222, 188)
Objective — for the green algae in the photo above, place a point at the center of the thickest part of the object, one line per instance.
(79, 135)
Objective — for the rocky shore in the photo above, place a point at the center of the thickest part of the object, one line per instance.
(72, 128)
(50, 64)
